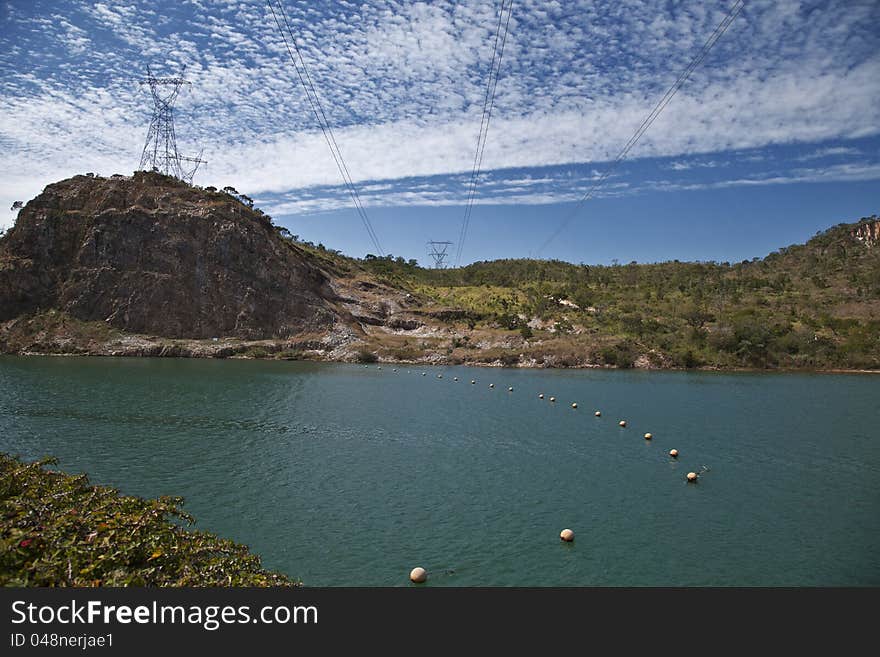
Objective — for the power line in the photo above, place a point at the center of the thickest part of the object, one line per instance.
(661, 105)
(308, 86)
(488, 105)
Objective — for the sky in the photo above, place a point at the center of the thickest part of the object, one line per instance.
(774, 137)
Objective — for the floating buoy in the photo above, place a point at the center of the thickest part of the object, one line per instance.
(472, 382)
(379, 368)
(541, 396)
(418, 575)
(424, 373)
(673, 453)
(598, 413)
(622, 423)
(395, 369)
(491, 385)
(566, 535)
(648, 436)
(439, 376)
(574, 405)
(455, 378)
(510, 389)
(691, 477)
(553, 399)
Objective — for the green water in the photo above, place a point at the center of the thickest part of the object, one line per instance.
(345, 475)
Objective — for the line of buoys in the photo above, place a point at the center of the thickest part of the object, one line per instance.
(418, 575)
(566, 535)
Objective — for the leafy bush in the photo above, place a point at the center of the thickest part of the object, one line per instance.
(366, 356)
(59, 530)
(621, 355)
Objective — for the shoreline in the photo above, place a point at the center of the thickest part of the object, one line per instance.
(242, 356)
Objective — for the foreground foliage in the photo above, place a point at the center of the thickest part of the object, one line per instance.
(59, 530)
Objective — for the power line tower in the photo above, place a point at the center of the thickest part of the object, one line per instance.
(438, 251)
(160, 150)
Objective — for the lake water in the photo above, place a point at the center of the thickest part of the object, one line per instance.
(346, 475)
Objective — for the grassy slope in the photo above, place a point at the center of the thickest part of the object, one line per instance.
(815, 305)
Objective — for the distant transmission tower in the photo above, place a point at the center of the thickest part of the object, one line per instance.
(437, 250)
(160, 151)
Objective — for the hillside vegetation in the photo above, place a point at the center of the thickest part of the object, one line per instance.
(58, 529)
(146, 265)
(815, 305)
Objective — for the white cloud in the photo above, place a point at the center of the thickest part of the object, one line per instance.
(831, 151)
(403, 85)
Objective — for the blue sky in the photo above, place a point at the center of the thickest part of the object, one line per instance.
(774, 137)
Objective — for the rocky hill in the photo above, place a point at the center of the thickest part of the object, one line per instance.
(147, 265)
(151, 255)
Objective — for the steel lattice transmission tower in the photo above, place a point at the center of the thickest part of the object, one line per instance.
(438, 251)
(160, 150)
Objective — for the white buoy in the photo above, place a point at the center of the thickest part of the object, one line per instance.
(648, 436)
(472, 382)
(455, 378)
(566, 535)
(491, 385)
(439, 376)
(598, 414)
(418, 575)
(510, 389)
(691, 477)
(379, 368)
(622, 423)
(424, 374)
(673, 453)
(553, 399)
(541, 396)
(574, 405)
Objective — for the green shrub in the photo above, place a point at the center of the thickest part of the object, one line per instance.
(367, 356)
(59, 530)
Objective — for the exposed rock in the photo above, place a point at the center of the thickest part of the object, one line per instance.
(149, 254)
(867, 232)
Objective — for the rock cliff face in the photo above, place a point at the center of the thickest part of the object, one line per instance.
(867, 232)
(150, 254)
